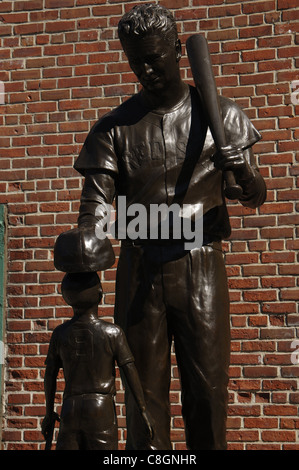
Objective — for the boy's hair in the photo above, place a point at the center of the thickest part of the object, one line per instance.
(73, 287)
(148, 19)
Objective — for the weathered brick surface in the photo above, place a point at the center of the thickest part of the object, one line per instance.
(62, 67)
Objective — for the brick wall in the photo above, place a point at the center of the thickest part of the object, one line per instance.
(62, 68)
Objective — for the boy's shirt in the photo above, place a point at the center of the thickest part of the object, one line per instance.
(87, 353)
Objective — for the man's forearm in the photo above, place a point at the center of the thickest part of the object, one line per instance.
(98, 189)
(253, 184)
(254, 191)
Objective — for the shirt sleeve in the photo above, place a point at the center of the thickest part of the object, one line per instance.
(98, 151)
(123, 353)
(239, 130)
(98, 190)
(241, 133)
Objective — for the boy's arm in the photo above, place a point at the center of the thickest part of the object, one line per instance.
(50, 387)
(50, 390)
(133, 381)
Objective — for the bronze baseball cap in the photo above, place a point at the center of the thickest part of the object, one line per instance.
(79, 250)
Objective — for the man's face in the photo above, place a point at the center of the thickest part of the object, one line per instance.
(154, 61)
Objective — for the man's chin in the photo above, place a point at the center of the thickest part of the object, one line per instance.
(153, 86)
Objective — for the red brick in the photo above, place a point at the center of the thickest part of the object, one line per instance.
(222, 35)
(256, 31)
(27, 52)
(28, 5)
(57, 49)
(223, 11)
(58, 26)
(278, 282)
(258, 55)
(288, 52)
(279, 308)
(254, 7)
(285, 4)
(279, 436)
(94, 23)
(260, 423)
(29, 28)
(260, 371)
(291, 15)
(275, 41)
(107, 10)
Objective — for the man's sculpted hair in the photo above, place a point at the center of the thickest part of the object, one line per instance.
(147, 19)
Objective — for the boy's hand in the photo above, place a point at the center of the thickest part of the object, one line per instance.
(148, 424)
(48, 424)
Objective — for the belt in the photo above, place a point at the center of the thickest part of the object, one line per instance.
(89, 396)
(216, 245)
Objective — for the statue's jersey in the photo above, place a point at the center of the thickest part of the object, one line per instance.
(166, 158)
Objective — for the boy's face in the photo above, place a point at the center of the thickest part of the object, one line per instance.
(154, 61)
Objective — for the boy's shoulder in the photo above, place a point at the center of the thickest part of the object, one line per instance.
(60, 329)
(102, 327)
(110, 329)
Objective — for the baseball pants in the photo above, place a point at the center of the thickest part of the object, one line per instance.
(166, 294)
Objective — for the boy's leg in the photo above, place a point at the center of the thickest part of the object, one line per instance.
(68, 430)
(98, 423)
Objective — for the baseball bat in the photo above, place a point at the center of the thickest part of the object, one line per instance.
(203, 76)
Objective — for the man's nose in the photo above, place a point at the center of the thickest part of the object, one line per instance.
(147, 68)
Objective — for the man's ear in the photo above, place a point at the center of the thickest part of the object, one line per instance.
(178, 49)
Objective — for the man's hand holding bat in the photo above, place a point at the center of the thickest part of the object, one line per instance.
(233, 159)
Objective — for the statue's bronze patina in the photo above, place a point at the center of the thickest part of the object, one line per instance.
(157, 148)
(87, 347)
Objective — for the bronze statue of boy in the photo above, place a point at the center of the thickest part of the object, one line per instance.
(87, 347)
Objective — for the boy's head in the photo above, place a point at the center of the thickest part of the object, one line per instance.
(82, 290)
